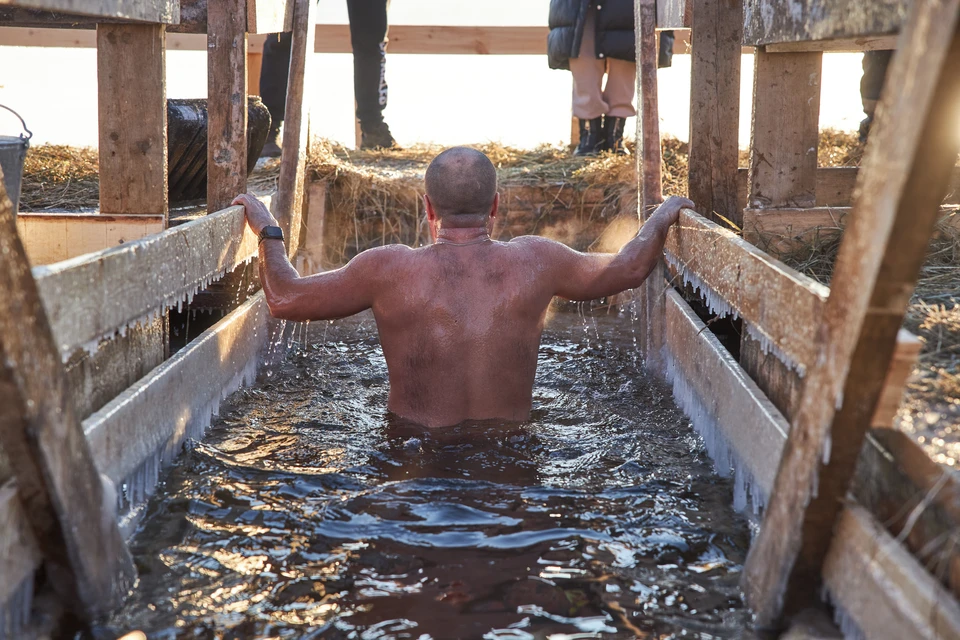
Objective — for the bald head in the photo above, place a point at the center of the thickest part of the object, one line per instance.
(461, 182)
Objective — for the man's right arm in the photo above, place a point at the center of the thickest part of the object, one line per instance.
(589, 276)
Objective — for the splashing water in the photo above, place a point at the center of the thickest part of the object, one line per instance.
(308, 512)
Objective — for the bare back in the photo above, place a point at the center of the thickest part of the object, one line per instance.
(460, 328)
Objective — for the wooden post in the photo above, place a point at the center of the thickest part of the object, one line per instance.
(783, 173)
(72, 517)
(784, 135)
(133, 118)
(649, 172)
(226, 101)
(717, 27)
(289, 203)
(905, 174)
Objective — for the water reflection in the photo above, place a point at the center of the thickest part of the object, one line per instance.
(308, 513)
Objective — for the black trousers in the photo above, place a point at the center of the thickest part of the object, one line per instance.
(875, 65)
(368, 37)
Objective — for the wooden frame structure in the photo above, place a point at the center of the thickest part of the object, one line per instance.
(818, 367)
(110, 297)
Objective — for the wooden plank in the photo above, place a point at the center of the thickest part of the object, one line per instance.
(160, 11)
(296, 126)
(906, 172)
(176, 399)
(269, 16)
(254, 62)
(781, 303)
(881, 588)
(52, 237)
(773, 21)
(69, 512)
(784, 231)
(226, 102)
(784, 132)
(132, 104)
(841, 45)
(834, 186)
(715, 107)
(749, 423)
(674, 14)
(91, 297)
(19, 556)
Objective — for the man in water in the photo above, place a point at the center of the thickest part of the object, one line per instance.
(459, 320)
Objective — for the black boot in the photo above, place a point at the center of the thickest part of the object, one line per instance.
(591, 137)
(271, 149)
(376, 136)
(613, 134)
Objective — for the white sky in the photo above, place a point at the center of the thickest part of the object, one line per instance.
(445, 99)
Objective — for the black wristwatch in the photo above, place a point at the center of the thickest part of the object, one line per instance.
(271, 233)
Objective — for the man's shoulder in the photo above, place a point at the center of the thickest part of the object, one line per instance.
(535, 242)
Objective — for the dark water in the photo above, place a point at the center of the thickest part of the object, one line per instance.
(308, 513)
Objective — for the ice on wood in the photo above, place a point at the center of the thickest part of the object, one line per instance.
(747, 492)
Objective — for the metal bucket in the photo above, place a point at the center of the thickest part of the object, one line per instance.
(13, 151)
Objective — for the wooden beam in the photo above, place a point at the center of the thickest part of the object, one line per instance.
(175, 401)
(715, 107)
(785, 131)
(52, 237)
(774, 21)
(269, 16)
(674, 14)
(226, 102)
(160, 11)
(785, 231)
(70, 515)
(132, 104)
(842, 45)
(93, 296)
(296, 126)
(881, 588)
(781, 303)
(906, 172)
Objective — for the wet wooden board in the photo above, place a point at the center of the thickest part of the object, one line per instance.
(905, 174)
(881, 587)
(774, 21)
(781, 302)
(674, 14)
(93, 296)
(161, 11)
(68, 510)
(748, 421)
(53, 237)
(157, 411)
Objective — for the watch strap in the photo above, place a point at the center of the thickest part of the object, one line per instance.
(270, 233)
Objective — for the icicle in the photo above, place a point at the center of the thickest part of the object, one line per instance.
(725, 460)
(15, 612)
(769, 347)
(715, 302)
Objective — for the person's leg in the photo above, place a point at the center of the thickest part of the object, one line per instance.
(665, 54)
(588, 103)
(618, 94)
(274, 68)
(875, 65)
(368, 36)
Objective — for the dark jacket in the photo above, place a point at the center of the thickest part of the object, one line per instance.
(614, 23)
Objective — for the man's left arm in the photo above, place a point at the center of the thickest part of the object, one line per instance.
(326, 296)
